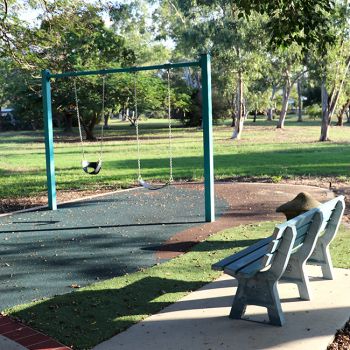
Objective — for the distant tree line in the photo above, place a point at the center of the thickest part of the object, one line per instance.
(264, 53)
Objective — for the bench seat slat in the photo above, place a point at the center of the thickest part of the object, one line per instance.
(235, 266)
(252, 268)
(220, 265)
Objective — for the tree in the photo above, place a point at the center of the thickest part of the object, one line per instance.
(75, 39)
(333, 67)
(305, 23)
(289, 62)
(236, 45)
(133, 22)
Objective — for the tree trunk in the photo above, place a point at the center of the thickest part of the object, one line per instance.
(68, 122)
(255, 114)
(90, 135)
(237, 132)
(234, 117)
(89, 128)
(270, 110)
(340, 116)
(106, 120)
(300, 102)
(286, 93)
(325, 114)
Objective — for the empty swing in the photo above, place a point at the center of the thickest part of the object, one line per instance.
(142, 182)
(92, 168)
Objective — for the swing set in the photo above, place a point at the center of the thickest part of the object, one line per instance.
(94, 167)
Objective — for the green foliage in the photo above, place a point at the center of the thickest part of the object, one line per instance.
(305, 23)
(133, 22)
(314, 111)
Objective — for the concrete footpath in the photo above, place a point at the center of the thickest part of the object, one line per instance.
(8, 344)
(200, 320)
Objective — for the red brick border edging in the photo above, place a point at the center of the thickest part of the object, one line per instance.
(26, 336)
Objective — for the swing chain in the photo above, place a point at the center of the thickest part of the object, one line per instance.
(103, 114)
(137, 129)
(78, 117)
(171, 179)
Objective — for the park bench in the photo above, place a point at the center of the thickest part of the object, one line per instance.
(283, 255)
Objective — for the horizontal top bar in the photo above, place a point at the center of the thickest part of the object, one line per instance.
(123, 70)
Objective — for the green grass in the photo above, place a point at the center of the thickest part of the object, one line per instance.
(92, 314)
(263, 151)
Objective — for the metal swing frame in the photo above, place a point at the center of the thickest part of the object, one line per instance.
(203, 63)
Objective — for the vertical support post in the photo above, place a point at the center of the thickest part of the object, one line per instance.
(48, 129)
(207, 138)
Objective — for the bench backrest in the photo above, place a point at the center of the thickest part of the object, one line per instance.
(298, 235)
(305, 226)
(332, 211)
(300, 225)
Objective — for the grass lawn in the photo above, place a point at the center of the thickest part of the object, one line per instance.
(263, 151)
(95, 313)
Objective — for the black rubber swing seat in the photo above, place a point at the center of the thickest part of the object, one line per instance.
(92, 168)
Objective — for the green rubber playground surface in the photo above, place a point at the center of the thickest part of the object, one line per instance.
(46, 253)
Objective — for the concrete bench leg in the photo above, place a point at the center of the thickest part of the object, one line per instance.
(261, 292)
(274, 310)
(239, 301)
(327, 267)
(295, 273)
(321, 257)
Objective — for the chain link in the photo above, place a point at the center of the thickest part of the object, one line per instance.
(103, 114)
(171, 179)
(137, 129)
(78, 117)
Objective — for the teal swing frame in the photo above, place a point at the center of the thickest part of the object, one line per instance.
(205, 66)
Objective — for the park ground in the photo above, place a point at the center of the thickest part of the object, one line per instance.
(264, 154)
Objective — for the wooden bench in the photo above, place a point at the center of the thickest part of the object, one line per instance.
(283, 255)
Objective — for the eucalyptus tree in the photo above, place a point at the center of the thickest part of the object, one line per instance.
(289, 61)
(236, 43)
(239, 51)
(332, 67)
(133, 21)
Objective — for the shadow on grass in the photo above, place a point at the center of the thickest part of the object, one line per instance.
(186, 245)
(325, 159)
(85, 318)
(90, 315)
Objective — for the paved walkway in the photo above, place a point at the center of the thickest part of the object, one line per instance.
(200, 320)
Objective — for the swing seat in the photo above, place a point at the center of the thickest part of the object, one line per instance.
(151, 187)
(92, 168)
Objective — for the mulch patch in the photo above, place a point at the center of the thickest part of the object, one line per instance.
(342, 339)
